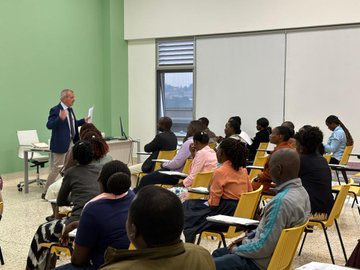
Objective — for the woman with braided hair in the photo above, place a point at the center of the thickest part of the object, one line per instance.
(229, 181)
(339, 139)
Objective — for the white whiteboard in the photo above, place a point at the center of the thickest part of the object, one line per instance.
(240, 75)
(323, 78)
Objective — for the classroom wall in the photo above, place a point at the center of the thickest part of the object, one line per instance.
(49, 45)
(145, 20)
(163, 18)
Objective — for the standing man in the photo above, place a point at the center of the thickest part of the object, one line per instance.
(64, 133)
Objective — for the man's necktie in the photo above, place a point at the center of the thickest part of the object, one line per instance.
(71, 120)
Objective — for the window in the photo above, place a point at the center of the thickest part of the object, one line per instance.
(175, 89)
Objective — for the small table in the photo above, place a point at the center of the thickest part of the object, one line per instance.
(343, 169)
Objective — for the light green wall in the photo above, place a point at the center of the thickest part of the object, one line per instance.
(48, 45)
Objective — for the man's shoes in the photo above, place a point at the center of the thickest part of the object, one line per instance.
(50, 218)
(43, 196)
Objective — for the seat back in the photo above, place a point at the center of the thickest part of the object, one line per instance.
(246, 207)
(26, 138)
(212, 145)
(285, 248)
(261, 150)
(346, 155)
(328, 157)
(259, 161)
(202, 179)
(164, 155)
(338, 205)
(187, 165)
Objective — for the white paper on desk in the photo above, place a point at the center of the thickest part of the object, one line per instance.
(91, 113)
(160, 160)
(174, 173)
(233, 220)
(321, 266)
(200, 189)
(40, 145)
(73, 233)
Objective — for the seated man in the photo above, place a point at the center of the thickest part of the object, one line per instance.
(211, 134)
(290, 207)
(164, 141)
(154, 227)
(176, 164)
(280, 137)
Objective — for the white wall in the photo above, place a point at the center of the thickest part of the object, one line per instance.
(142, 90)
(240, 75)
(171, 18)
(322, 78)
(164, 18)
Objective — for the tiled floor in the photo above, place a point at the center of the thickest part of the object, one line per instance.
(24, 212)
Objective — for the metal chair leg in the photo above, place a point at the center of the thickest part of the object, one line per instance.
(1, 257)
(328, 242)
(223, 239)
(302, 244)
(199, 239)
(337, 176)
(341, 241)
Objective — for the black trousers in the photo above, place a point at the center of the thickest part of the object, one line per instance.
(157, 178)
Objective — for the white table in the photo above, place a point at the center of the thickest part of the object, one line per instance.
(118, 149)
(321, 266)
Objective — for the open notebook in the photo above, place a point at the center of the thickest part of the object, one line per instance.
(232, 220)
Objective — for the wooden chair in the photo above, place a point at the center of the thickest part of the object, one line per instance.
(354, 191)
(162, 155)
(285, 248)
(56, 250)
(261, 150)
(202, 179)
(245, 208)
(332, 218)
(258, 162)
(344, 159)
(328, 157)
(186, 170)
(212, 145)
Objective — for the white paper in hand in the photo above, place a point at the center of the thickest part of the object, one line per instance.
(90, 114)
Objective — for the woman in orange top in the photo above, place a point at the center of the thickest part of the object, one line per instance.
(226, 186)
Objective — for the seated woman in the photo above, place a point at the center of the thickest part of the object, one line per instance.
(262, 125)
(339, 139)
(280, 137)
(103, 219)
(79, 181)
(314, 172)
(227, 184)
(176, 164)
(100, 156)
(204, 158)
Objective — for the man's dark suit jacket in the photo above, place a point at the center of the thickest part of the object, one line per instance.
(60, 135)
(165, 141)
(261, 136)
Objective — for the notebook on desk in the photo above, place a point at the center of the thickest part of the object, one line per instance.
(232, 220)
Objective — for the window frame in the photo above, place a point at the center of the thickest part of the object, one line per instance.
(173, 68)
